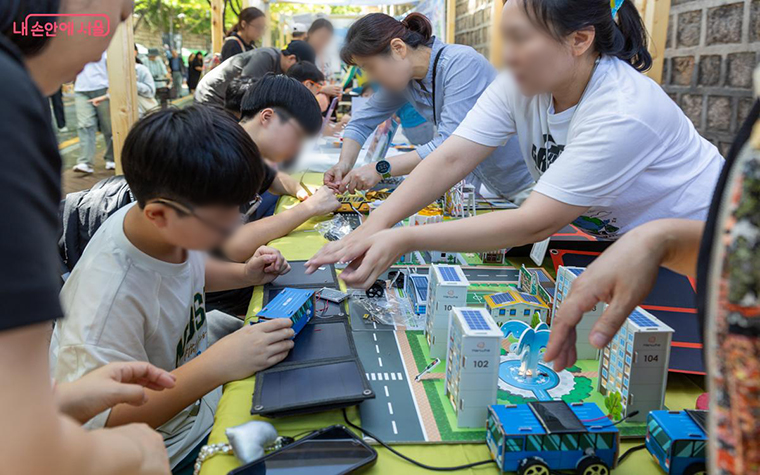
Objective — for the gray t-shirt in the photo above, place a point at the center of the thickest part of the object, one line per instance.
(255, 63)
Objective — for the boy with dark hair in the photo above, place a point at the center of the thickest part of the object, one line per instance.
(309, 75)
(138, 292)
(235, 92)
(279, 114)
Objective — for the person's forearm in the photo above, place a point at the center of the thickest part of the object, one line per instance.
(194, 379)
(679, 240)
(497, 230)
(221, 275)
(284, 184)
(241, 246)
(349, 152)
(404, 164)
(427, 182)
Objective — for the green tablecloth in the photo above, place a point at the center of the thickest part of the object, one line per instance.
(234, 407)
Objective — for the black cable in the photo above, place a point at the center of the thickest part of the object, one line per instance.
(411, 460)
(630, 451)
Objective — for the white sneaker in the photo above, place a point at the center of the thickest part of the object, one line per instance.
(110, 166)
(83, 168)
(63, 130)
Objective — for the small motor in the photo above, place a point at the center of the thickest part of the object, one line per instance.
(377, 290)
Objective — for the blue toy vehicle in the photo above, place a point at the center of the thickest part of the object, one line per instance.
(295, 304)
(540, 437)
(677, 440)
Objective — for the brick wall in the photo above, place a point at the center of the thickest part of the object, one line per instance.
(711, 50)
(473, 24)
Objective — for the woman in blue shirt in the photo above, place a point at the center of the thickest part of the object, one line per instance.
(442, 82)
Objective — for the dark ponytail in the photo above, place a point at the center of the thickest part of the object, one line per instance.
(624, 37)
(372, 35)
(246, 15)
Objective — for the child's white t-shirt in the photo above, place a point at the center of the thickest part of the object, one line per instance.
(123, 305)
(630, 153)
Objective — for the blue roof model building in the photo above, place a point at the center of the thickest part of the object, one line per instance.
(295, 304)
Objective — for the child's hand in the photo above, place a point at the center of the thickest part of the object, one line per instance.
(253, 348)
(109, 385)
(323, 201)
(362, 178)
(370, 257)
(265, 265)
(148, 443)
(622, 276)
(334, 176)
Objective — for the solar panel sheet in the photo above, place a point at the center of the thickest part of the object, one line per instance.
(530, 298)
(449, 274)
(576, 270)
(502, 298)
(320, 341)
(641, 320)
(475, 320)
(557, 417)
(421, 284)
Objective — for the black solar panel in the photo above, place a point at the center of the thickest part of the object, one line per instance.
(320, 341)
(556, 417)
(324, 276)
(699, 418)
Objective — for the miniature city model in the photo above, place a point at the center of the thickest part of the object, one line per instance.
(295, 304)
(447, 289)
(515, 305)
(493, 257)
(677, 440)
(544, 436)
(472, 365)
(416, 287)
(635, 364)
(565, 277)
(529, 283)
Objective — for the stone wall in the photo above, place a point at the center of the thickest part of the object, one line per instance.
(473, 24)
(711, 50)
(151, 38)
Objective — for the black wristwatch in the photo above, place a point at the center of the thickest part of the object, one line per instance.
(383, 167)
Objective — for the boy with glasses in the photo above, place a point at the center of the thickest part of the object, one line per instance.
(138, 291)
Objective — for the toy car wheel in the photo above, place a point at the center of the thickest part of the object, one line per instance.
(592, 466)
(533, 466)
(695, 469)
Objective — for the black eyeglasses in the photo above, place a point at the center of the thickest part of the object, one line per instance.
(184, 208)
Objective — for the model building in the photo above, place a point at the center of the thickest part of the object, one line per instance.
(447, 289)
(516, 305)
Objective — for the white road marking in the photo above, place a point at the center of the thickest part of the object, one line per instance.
(380, 361)
(411, 392)
(367, 374)
(393, 376)
(374, 325)
(386, 376)
(377, 349)
(400, 378)
(373, 376)
(390, 407)
(374, 336)
(386, 391)
(393, 423)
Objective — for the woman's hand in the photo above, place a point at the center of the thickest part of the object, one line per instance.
(322, 202)
(362, 178)
(334, 176)
(109, 385)
(342, 250)
(332, 90)
(372, 256)
(622, 276)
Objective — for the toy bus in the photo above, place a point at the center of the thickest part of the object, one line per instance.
(295, 304)
(677, 440)
(538, 438)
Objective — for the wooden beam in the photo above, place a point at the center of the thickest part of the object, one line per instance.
(122, 80)
(494, 49)
(451, 16)
(655, 14)
(217, 25)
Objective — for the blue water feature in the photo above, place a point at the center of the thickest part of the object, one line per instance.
(539, 385)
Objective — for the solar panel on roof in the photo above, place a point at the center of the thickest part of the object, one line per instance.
(641, 320)
(502, 298)
(699, 418)
(530, 298)
(474, 319)
(449, 274)
(557, 417)
(421, 284)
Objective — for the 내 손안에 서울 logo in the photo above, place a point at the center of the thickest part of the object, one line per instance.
(51, 24)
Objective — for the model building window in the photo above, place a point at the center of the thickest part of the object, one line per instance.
(513, 312)
(526, 312)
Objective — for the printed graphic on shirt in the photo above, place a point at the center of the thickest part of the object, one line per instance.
(195, 337)
(546, 155)
(598, 225)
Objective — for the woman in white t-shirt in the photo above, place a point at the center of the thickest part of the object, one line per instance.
(609, 150)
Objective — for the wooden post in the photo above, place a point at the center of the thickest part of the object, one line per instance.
(655, 14)
(451, 18)
(494, 49)
(122, 88)
(217, 25)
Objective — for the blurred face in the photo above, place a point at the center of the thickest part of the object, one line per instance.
(320, 39)
(539, 62)
(202, 228)
(65, 56)
(314, 87)
(254, 30)
(278, 136)
(392, 71)
(174, 53)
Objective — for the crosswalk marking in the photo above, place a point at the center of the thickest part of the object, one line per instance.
(384, 376)
(393, 376)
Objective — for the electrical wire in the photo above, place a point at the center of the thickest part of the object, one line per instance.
(629, 452)
(409, 459)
